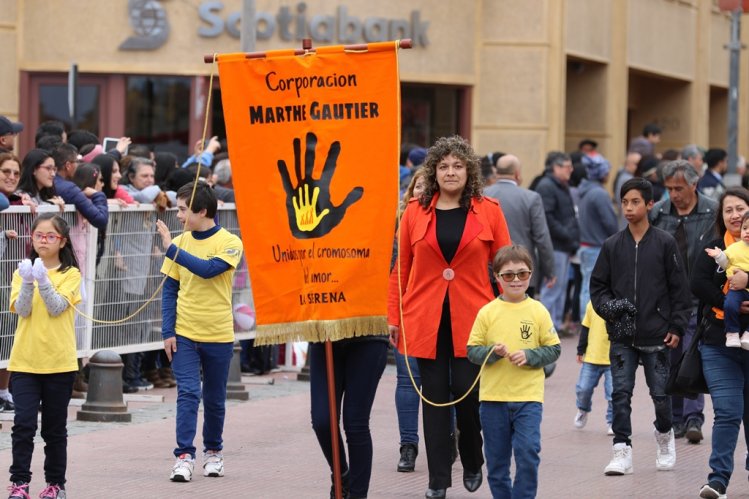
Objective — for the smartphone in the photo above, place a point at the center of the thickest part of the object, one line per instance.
(111, 143)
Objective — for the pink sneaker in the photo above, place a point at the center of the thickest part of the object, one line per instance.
(19, 490)
(53, 491)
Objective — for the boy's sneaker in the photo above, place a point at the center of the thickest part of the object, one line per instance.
(18, 490)
(733, 340)
(53, 491)
(213, 464)
(665, 456)
(183, 468)
(621, 462)
(745, 340)
(713, 490)
(580, 419)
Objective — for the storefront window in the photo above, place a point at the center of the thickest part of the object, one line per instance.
(157, 113)
(53, 105)
(428, 112)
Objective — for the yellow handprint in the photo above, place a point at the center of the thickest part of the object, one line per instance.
(312, 218)
(306, 217)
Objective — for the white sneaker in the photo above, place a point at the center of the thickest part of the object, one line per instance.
(665, 457)
(580, 419)
(621, 463)
(733, 340)
(745, 340)
(182, 469)
(610, 431)
(213, 464)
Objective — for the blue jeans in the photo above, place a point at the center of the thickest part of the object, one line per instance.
(358, 366)
(590, 375)
(731, 309)
(512, 428)
(187, 362)
(588, 256)
(53, 391)
(406, 399)
(553, 298)
(624, 362)
(726, 371)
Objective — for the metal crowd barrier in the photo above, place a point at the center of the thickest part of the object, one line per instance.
(129, 256)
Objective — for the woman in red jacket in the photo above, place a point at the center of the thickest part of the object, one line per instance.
(448, 238)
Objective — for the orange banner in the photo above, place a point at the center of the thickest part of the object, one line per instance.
(314, 146)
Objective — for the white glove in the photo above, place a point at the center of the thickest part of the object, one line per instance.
(40, 272)
(25, 270)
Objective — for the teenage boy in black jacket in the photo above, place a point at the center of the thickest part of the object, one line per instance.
(640, 288)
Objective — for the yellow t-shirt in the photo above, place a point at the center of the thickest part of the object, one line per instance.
(738, 257)
(204, 311)
(520, 326)
(44, 344)
(598, 339)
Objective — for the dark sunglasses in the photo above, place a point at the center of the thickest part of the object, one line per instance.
(523, 275)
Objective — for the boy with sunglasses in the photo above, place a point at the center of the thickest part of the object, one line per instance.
(518, 335)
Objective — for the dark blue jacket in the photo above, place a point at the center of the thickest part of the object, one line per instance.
(95, 210)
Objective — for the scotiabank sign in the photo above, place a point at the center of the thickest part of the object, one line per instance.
(297, 23)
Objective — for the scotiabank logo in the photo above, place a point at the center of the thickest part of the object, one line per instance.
(297, 23)
(150, 24)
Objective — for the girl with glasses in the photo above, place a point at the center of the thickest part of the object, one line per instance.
(43, 360)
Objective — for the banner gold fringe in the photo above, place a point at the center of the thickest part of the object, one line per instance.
(317, 331)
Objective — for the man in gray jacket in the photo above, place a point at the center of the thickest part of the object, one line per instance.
(526, 221)
(690, 217)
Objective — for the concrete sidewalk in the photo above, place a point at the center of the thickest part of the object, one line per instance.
(271, 452)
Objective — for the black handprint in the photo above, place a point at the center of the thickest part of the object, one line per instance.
(525, 331)
(316, 216)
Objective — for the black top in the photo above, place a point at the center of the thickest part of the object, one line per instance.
(450, 225)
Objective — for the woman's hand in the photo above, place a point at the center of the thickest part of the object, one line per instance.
(123, 144)
(738, 280)
(11, 234)
(394, 335)
(58, 201)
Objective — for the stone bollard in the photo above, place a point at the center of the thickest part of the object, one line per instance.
(234, 388)
(104, 398)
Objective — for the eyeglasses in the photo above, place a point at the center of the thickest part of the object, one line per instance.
(522, 275)
(41, 237)
(10, 173)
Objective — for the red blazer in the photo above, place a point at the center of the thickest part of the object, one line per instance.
(423, 279)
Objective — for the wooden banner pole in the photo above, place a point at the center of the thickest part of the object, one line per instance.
(403, 44)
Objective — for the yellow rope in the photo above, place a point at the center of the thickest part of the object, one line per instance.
(201, 147)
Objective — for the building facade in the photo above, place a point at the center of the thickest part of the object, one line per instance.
(521, 76)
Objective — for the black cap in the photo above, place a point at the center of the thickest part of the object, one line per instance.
(8, 127)
(588, 142)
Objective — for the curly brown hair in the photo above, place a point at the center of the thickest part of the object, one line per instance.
(458, 147)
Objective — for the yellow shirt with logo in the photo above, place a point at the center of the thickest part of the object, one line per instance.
(44, 344)
(520, 326)
(597, 351)
(204, 310)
